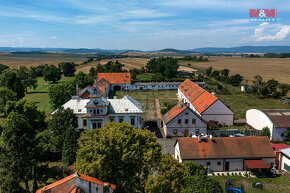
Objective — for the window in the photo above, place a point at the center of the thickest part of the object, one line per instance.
(94, 111)
(98, 111)
(94, 125)
(84, 122)
(186, 121)
(133, 121)
(179, 121)
(193, 121)
(99, 125)
(174, 131)
(219, 163)
(121, 120)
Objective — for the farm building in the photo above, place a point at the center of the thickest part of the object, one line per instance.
(78, 183)
(181, 121)
(205, 104)
(284, 157)
(117, 80)
(277, 120)
(226, 153)
(97, 109)
(277, 147)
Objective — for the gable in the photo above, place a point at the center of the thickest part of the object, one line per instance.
(218, 107)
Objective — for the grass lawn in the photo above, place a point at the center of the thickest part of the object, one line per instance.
(40, 94)
(147, 99)
(241, 102)
(271, 185)
(144, 77)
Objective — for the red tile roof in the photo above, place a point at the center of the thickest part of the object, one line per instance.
(75, 175)
(256, 164)
(198, 97)
(175, 111)
(279, 117)
(116, 78)
(278, 147)
(225, 147)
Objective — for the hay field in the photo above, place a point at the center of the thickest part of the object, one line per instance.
(277, 68)
(184, 68)
(16, 62)
(129, 63)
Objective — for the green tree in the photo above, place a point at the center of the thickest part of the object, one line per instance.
(51, 73)
(70, 146)
(272, 85)
(28, 78)
(10, 80)
(200, 184)
(60, 93)
(68, 68)
(92, 72)
(61, 121)
(120, 154)
(284, 89)
(3, 67)
(258, 84)
(5, 96)
(208, 71)
(167, 66)
(194, 169)
(266, 132)
(83, 80)
(158, 77)
(215, 73)
(17, 148)
(170, 177)
(236, 79)
(225, 72)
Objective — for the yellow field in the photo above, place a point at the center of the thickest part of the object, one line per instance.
(184, 68)
(129, 63)
(277, 68)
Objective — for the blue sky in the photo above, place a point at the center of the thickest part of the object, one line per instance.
(140, 24)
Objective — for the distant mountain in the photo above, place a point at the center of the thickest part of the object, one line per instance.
(241, 49)
(244, 49)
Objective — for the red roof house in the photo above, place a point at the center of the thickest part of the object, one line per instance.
(204, 103)
(78, 183)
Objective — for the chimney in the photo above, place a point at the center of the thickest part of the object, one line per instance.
(180, 105)
(77, 89)
(199, 138)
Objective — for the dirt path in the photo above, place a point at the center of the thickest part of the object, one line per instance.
(150, 112)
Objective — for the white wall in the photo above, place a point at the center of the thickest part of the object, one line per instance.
(284, 160)
(173, 124)
(151, 87)
(219, 112)
(177, 153)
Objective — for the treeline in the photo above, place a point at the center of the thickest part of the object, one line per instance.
(273, 55)
(165, 66)
(223, 76)
(271, 88)
(110, 66)
(194, 58)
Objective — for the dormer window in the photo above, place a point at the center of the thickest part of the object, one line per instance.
(96, 103)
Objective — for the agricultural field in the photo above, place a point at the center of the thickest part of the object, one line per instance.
(40, 94)
(277, 68)
(271, 185)
(17, 60)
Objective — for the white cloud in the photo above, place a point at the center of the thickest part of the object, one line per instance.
(54, 37)
(271, 32)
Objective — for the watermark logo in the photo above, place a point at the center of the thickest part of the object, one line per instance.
(263, 15)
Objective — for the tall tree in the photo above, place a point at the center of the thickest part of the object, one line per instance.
(3, 67)
(236, 79)
(60, 93)
(6, 95)
(225, 72)
(51, 73)
(266, 132)
(70, 146)
(10, 80)
(18, 148)
(120, 154)
(28, 78)
(170, 177)
(68, 68)
(61, 121)
(83, 80)
(167, 66)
